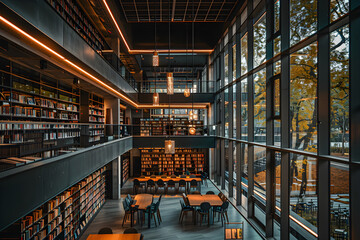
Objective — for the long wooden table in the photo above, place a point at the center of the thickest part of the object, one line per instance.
(195, 200)
(142, 201)
(132, 236)
(176, 180)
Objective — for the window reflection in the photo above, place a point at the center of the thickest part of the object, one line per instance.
(260, 41)
(244, 54)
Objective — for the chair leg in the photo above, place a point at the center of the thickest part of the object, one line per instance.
(123, 220)
(159, 215)
(154, 219)
(181, 213)
(208, 217)
(227, 217)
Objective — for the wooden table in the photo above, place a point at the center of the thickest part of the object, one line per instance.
(142, 201)
(176, 180)
(132, 236)
(195, 200)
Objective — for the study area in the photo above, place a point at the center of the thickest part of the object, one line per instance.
(178, 119)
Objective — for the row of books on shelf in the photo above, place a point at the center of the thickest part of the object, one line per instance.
(23, 98)
(20, 111)
(57, 215)
(95, 112)
(96, 132)
(96, 119)
(36, 126)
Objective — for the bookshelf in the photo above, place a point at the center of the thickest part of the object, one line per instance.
(96, 117)
(72, 13)
(125, 163)
(178, 126)
(66, 215)
(154, 161)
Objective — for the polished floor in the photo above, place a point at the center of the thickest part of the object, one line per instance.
(111, 215)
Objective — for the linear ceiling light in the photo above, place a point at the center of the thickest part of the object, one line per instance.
(147, 51)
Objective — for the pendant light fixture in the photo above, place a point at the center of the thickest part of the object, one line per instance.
(187, 89)
(169, 144)
(156, 98)
(192, 130)
(169, 75)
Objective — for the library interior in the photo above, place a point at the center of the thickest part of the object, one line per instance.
(178, 119)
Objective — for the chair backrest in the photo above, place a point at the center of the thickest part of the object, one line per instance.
(160, 183)
(182, 203)
(205, 206)
(136, 182)
(150, 182)
(130, 231)
(225, 206)
(126, 206)
(163, 176)
(221, 196)
(171, 183)
(192, 176)
(173, 176)
(210, 193)
(105, 230)
(183, 176)
(129, 197)
(193, 183)
(182, 183)
(160, 198)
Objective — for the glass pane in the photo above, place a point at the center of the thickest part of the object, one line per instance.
(277, 67)
(227, 117)
(339, 93)
(277, 15)
(235, 162)
(234, 111)
(338, 8)
(260, 106)
(277, 45)
(260, 173)
(303, 84)
(227, 164)
(277, 132)
(260, 41)
(234, 61)
(226, 72)
(244, 109)
(244, 174)
(339, 200)
(303, 19)
(303, 190)
(244, 54)
(277, 181)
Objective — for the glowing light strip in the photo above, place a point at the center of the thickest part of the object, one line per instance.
(291, 217)
(66, 60)
(147, 51)
(117, 26)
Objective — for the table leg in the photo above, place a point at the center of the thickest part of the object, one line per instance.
(200, 187)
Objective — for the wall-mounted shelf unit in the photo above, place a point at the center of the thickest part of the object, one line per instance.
(154, 161)
(97, 117)
(64, 216)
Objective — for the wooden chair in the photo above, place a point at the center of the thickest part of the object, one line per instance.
(160, 184)
(222, 212)
(193, 185)
(204, 211)
(158, 210)
(136, 186)
(132, 231)
(182, 184)
(184, 210)
(170, 184)
(210, 193)
(151, 185)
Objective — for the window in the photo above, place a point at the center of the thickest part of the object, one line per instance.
(303, 86)
(244, 54)
(226, 69)
(244, 109)
(260, 41)
(260, 106)
(338, 8)
(339, 92)
(234, 61)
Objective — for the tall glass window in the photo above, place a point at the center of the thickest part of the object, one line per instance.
(260, 106)
(244, 173)
(226, 72)
(244, 109)
(244, 54)
(339, 93)
(234, 111)
(303, 87)
(303, 190)
(260, 41)
(260, 173)
(303, 19)
(234, 61)
(227, 117)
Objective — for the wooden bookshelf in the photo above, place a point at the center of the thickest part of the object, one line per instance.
(97, 117)
(72, 13)
(178, 126)
(66, 215)
(154, 161)
(125, 170)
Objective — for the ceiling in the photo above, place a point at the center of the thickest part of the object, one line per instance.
(177, 10)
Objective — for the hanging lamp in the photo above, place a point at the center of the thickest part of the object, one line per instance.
(192, 130)
(169, 75)
(156, 98)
